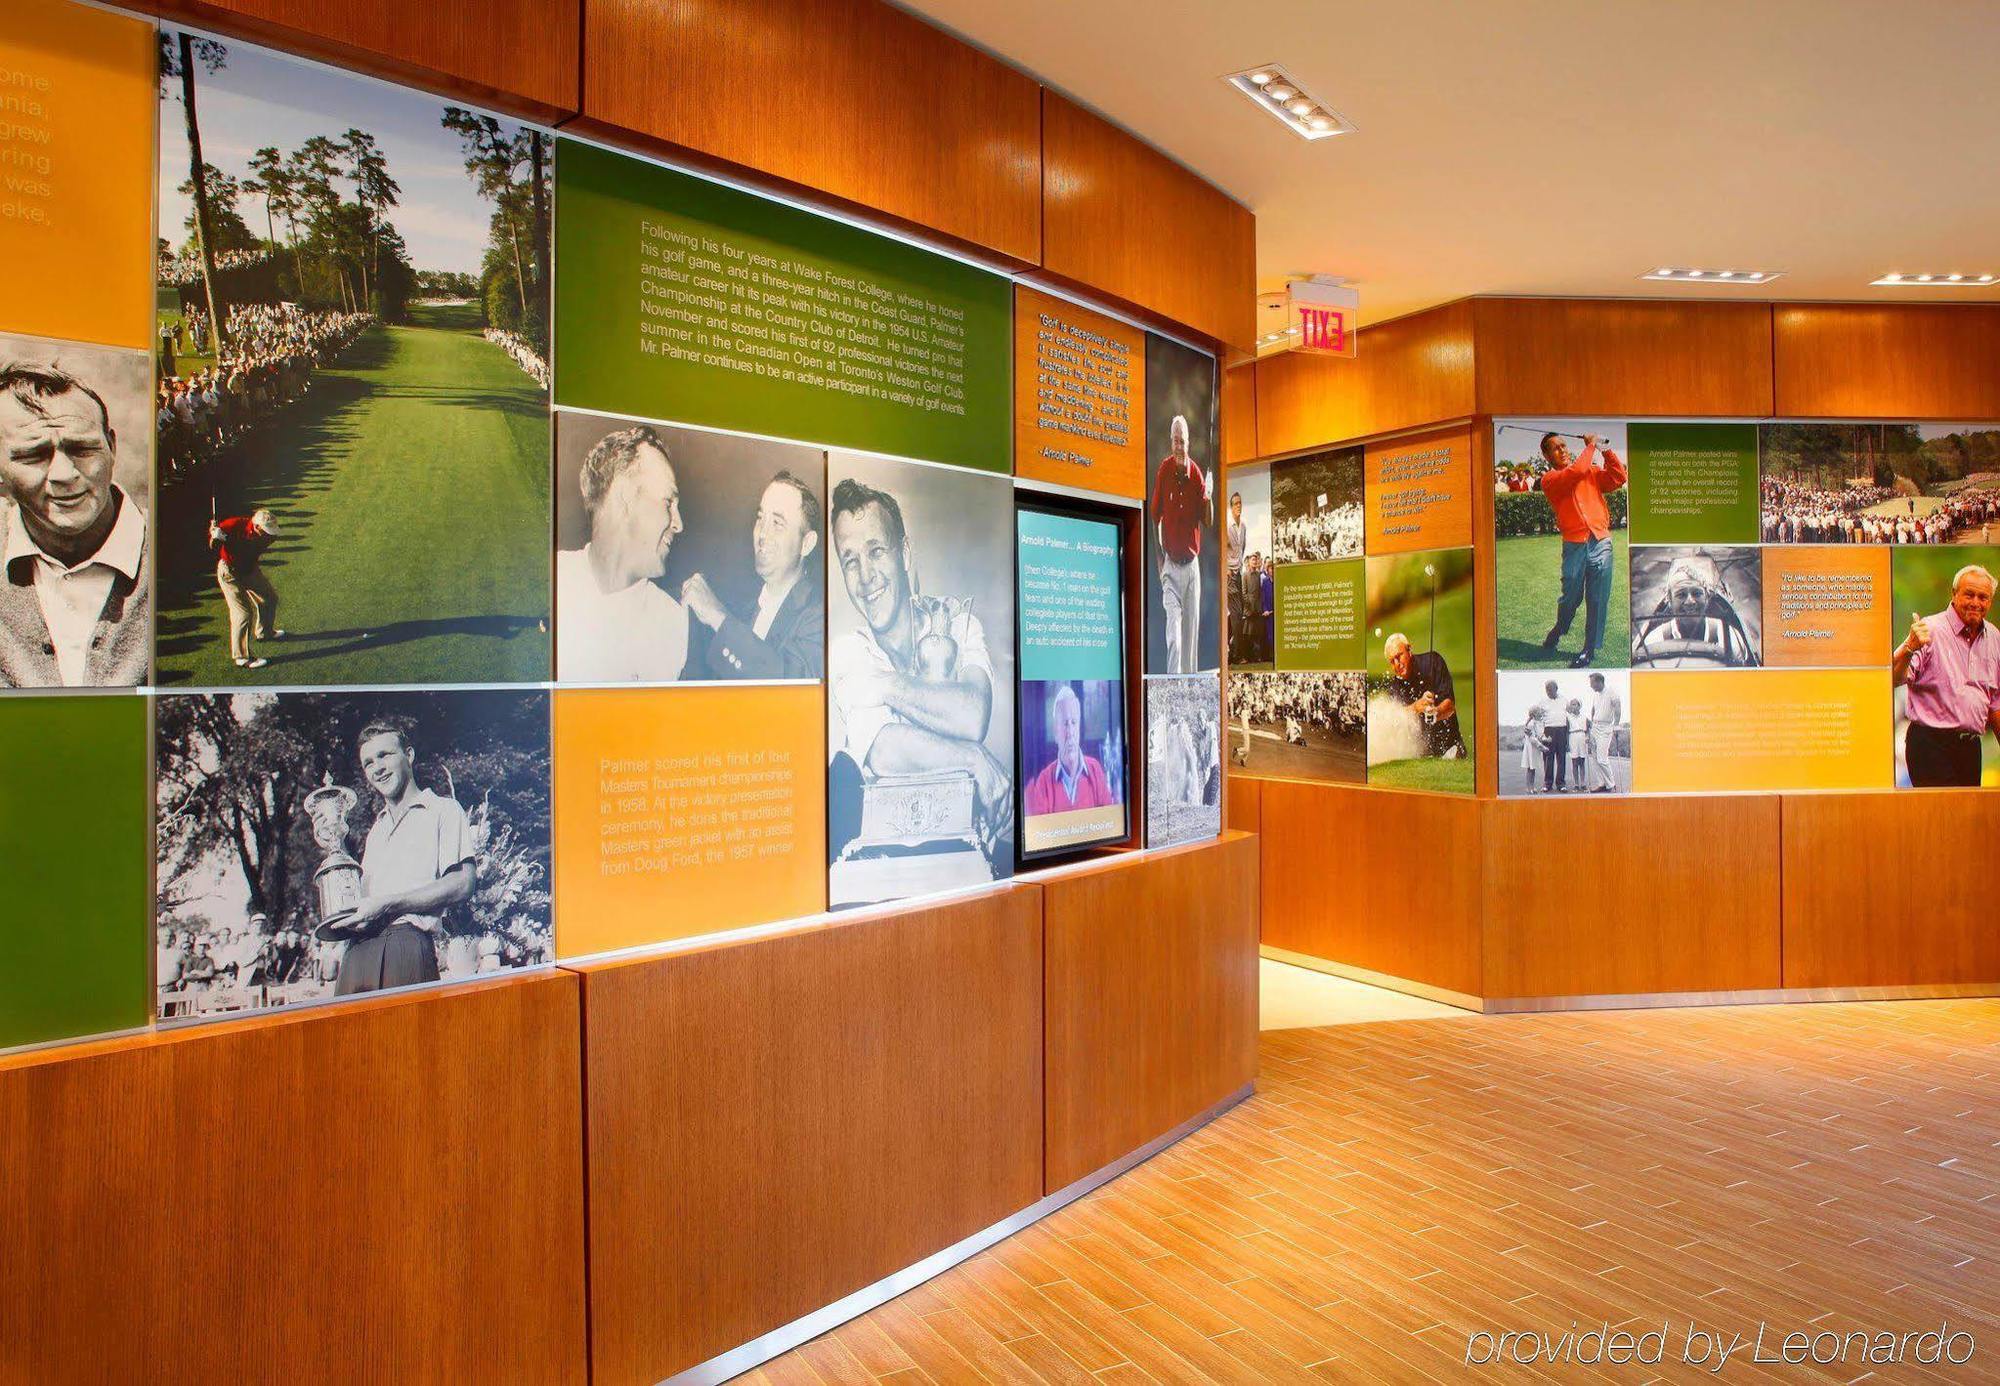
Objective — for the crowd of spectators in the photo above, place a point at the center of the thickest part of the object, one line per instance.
(270, 353)
(1795, 513)
(185, 267)
(525, 356)
(1335, 704)
(1334, 532)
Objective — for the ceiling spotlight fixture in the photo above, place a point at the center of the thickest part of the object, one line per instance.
(1672, 275)
(1274, 91)
(1936, 281)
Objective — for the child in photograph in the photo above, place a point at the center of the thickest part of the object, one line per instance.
(1533, 743)
(1579, 741)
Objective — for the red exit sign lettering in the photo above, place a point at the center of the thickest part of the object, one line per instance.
(1328, 331)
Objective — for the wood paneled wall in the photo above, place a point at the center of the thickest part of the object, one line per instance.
(518, 55)
(1377, 879)
(1623, 896)
(854, 99)
(1239, 414)
(1888, 360)
(1243, 803)
(1409, 372)
(777, 1123)
(1588, 356)
(1891, 889)
(1122, 218)
(388, 1190)
(1152, 997)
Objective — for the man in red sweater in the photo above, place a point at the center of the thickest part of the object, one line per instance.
(239, 542)
(1576, 490)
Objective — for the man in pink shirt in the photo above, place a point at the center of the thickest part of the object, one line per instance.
(1951, 665)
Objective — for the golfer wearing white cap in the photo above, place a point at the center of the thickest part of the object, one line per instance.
(240, 541)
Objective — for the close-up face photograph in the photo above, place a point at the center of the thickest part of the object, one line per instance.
(1020, 722)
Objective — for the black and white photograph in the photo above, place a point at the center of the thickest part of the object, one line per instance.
(1307, 726)
(920, 678)
(684, 555)
(1184, 511)
(76, 609)
(318, 845)
(1565, 733)
(1183, 759)
(1316, 506)
(1697, 606)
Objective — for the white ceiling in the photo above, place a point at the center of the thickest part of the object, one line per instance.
(1560, 146)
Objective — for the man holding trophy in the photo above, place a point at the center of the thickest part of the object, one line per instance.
(417, 861)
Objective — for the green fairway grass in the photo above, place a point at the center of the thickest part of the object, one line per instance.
(1528, 584)
(1455, 642)
(1438, 776)
(411, 488)
(1900, 506)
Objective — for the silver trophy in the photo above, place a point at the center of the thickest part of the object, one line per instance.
(338, 878)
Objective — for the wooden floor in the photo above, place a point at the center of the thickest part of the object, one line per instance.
(1392, 1188)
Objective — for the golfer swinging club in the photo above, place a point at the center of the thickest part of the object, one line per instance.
(1576, 490)
(240, 542)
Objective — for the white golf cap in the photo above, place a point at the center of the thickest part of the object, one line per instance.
(262, 519)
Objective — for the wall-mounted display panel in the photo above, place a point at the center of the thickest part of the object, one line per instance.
(352, 338)
(76, 605)
(1073, 743)
(683, 298)
(686, 555)
(1183, 759)
(320, 845)
(76, 214)
(1560, 541)
(1945, 664)
(920, 679)
(73, 855)
(1079, 396)
(1814, 659)
(1418, 492)
(1251, 593)
(1420, 686)
(686, 811)
(1183, 510)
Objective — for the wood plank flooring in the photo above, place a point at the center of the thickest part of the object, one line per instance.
(1393, 1188)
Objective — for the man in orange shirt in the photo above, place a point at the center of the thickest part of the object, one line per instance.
(1576, 490)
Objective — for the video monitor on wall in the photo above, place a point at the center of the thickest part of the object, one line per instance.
(1073, 778)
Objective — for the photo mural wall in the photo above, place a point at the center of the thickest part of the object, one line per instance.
(1688, 606)
(1350, 612)
(436, 548)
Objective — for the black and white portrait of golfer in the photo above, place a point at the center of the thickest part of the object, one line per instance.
(920, 669)
(76, 605)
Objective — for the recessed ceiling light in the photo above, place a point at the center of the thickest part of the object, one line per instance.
(1274, 90)
(1731, 277)
(1935, 281)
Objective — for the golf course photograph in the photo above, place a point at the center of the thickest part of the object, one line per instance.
(1560, 602)
(352, 408)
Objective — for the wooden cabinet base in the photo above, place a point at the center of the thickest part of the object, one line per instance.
(388, 1190)
(1513, 905)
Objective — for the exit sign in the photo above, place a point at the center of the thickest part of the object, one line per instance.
(1323, 316)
